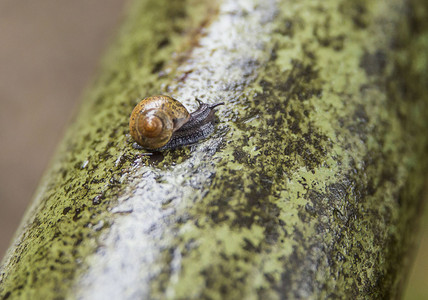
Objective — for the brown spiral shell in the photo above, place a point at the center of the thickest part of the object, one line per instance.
(154, 120)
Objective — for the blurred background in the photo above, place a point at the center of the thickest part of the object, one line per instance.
(49, 51)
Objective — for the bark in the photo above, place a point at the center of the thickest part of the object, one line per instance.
(311, 186)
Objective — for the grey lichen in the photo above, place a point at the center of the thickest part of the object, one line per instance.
(310, 187)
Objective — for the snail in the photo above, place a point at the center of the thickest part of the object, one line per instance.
(162, 122)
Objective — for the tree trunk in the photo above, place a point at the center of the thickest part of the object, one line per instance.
(310, 187)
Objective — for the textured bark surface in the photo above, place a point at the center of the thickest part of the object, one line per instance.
(311, 186)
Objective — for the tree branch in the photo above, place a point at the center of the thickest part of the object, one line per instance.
(311, 186)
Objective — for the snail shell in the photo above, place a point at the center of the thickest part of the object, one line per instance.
(161, 122)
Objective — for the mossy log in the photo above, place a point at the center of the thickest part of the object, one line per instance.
(310, 187)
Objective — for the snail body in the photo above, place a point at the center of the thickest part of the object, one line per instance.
(161, 122)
